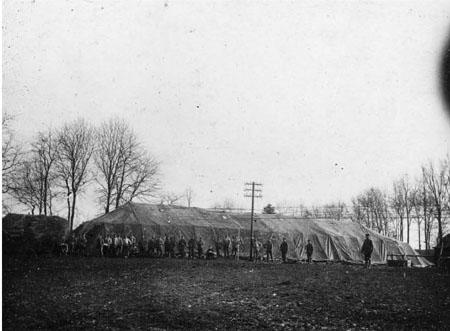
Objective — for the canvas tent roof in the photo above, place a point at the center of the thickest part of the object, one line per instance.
(332, 240)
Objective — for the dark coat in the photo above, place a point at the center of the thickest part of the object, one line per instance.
(367, 247)
(284, 246)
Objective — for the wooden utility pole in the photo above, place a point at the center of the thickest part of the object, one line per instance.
(247, 193)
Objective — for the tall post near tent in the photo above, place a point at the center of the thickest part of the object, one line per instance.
(247, 191)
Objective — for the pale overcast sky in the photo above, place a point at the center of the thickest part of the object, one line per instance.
(317, 100)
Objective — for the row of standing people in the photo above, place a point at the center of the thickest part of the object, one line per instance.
(73, 245)
(117, 245)
(124, 246)
(268, 246)
(160, 247)
(193, 248)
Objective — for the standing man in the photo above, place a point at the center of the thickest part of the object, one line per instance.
(234, 247)
(256, 248)
(159, 246)
(226, 246)
(200, 245)
(108, 245)
(268, 245)
(172, 245)
(367, 249)
(126, 247)
(166, 246)
(151, 246)
(83, 244)
(284, 249)
(309, 251)
(116, 245)
(132, 239)
(99, 243)
(191, 247)
(218, 246)
(182, 247)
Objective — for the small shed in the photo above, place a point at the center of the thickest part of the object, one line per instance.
(445, 256)
(32, 233)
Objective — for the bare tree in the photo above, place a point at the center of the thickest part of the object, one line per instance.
(189, 195)
(291, 208)
(423, 212)
(11, 153)
(75, 149)
(371, 210)
(126, 170)
(227, 205)
(402, 204)
(358, 210)
(335, 210)
(142, 181)
(398, 205)
(110, 139)
(283, 207)
(437, 182)
(27, 186)
(169, 198)
(45, 153)
(407, 192)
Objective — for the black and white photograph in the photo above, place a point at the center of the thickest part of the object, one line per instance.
(225, 165)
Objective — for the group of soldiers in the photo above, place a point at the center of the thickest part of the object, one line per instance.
(227, 247)
(192, 248)
(117, 245)
(73, 245)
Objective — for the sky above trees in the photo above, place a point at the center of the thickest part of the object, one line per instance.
(317, 100)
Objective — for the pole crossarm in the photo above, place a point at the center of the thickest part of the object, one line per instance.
(253, 183)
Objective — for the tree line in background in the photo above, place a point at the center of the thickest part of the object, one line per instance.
(424, 200)
(61, 163)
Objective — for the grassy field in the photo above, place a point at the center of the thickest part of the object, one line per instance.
(162, 294)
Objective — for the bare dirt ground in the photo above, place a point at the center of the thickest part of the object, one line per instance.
(163, 294)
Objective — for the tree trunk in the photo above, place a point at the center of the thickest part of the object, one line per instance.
(439, 219)
(45, 193)
(50, 206)
(401, 229)
(420, 246)
(408, 223)
(69, 212)
(74, 200)
(69, 209)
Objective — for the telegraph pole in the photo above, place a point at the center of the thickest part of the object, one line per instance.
(247, 193)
